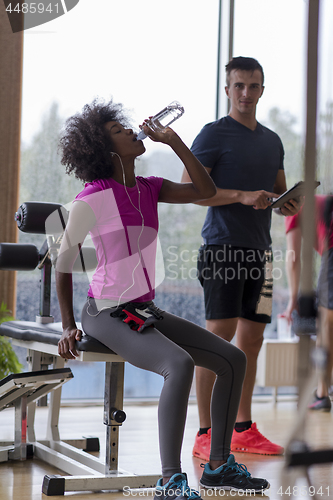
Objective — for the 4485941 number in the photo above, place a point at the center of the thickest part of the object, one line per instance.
(304, 491)
(33, 8)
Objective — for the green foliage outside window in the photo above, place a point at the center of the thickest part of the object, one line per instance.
(43, 178)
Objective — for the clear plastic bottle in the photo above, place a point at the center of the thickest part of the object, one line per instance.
(164, 118)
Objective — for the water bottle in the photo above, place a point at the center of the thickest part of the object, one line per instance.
(164, 118)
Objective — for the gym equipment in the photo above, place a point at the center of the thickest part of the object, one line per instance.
(86, 472)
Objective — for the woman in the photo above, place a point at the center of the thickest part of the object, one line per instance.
(119, 210)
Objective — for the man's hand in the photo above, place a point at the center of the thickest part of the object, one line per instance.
(66, 344)
(259, 200)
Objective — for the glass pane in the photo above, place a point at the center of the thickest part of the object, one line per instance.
(274, 33)
(145, 55)
(325, 88)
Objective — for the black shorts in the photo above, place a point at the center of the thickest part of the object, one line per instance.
(325, 280)
(237, 282)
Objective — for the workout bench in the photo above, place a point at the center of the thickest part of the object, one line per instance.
(86, 472)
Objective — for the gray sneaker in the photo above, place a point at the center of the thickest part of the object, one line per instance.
(320, 404)
(232, 476)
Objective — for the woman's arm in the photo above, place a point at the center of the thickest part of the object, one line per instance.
(200, 186)
(81, 220)
(293, 268)
(66, 344)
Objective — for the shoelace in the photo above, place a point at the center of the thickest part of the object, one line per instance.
(240, 469)
(185, 489)
(264, 439)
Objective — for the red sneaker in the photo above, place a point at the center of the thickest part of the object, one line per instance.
(201, 448)
(252, 441)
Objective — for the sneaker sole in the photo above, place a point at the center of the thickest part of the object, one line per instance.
(254, 450)
(315, 408)
(232, 488)
(323, 410)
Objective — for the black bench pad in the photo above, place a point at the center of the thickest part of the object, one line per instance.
(49, 334)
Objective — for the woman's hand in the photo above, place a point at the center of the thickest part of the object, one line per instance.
(165, 136)
(292, 306)
(200, 187)
(66, 344)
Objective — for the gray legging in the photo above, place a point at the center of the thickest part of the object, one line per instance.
(172, 348)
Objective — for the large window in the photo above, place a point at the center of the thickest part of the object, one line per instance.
(144, 54)
(275, 33)
(147, 54)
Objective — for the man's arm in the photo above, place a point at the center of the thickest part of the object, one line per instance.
(293, 268)
(257, 199)
(280, 184)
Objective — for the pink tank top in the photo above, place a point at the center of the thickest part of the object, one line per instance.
(125, 243)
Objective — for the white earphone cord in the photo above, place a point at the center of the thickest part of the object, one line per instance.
(138, 209)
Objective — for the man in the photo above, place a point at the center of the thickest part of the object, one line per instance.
(245, 160)
(324, 246)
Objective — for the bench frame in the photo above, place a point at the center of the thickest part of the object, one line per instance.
(87, 473)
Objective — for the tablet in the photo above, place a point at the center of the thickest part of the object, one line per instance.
(292, 194)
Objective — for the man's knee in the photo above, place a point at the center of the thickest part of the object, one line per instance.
(251, 347)
(224, 328)
(250, 336)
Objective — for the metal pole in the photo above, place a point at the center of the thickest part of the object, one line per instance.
(307, 298)
(231, 28)
(308, 229)
(224, 49)
(297, 452)
(231, 34)
(113, 403)
(217, 108)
